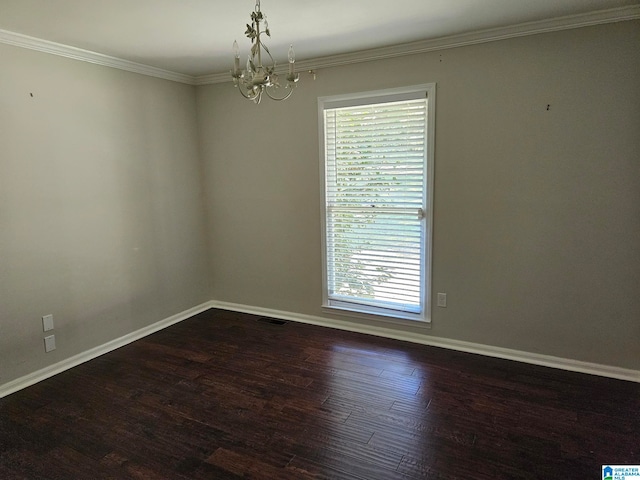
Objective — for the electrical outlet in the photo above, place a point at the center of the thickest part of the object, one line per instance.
(442, 300)
(49, 343)
(47, 323)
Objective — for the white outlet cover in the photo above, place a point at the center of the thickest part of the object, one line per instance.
(442, 300)
(49, 343)
(47, 323)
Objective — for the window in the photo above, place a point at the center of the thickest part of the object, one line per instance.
(377, 152)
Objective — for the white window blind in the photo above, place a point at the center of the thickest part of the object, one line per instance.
(375, 208)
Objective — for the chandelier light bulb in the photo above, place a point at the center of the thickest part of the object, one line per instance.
(292, 59)
(236, 61)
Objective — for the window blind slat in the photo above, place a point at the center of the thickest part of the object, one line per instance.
(375, 156)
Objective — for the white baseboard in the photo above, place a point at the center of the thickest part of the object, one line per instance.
(50, 371)
(487, 350)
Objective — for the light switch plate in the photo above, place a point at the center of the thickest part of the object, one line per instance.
(49, 343)
(47, 322)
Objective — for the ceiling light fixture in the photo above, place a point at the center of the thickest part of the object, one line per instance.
(257, 79)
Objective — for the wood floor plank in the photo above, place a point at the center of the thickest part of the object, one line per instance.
(224, 395)
(248, 466)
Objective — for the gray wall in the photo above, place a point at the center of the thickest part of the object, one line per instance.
(537, 211)
(101, 206)
(126, 199)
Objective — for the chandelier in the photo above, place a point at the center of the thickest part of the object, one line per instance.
(257, 79)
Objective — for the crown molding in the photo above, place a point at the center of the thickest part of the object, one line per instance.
(483, 36)
(32, 43)
(454, 41)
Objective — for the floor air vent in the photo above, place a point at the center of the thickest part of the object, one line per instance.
(272, 321)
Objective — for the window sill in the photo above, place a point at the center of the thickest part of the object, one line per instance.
(391, 318)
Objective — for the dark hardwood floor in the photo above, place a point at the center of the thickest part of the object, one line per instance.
(225, 396)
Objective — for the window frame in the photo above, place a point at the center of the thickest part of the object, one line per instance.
(376, 97)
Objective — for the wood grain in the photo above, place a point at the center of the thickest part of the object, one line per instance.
(226, 396)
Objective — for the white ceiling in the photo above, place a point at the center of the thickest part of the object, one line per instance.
(194, 37)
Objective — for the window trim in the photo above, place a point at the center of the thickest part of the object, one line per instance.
(364, 98)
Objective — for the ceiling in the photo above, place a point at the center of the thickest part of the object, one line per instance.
(194, 37)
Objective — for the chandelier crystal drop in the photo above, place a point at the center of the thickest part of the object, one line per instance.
(256, 79)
